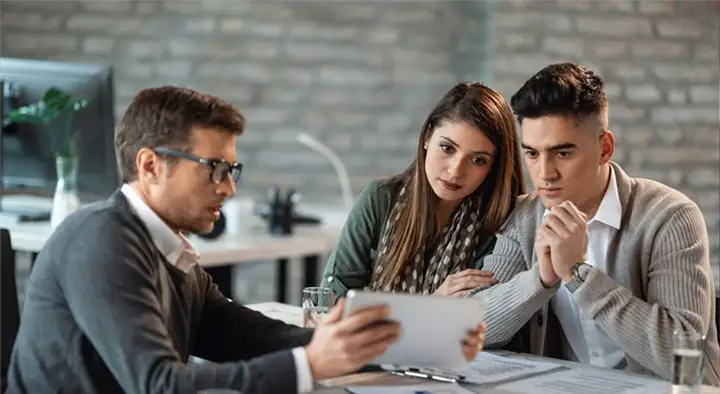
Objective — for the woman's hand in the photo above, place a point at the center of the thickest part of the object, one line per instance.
(458, 284)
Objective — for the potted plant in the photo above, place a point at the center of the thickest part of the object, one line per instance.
(55, 112)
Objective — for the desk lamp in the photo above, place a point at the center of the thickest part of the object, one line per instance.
(338, 165)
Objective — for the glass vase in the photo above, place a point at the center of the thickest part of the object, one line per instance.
(65, 199)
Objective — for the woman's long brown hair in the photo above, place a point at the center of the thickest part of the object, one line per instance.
(487, 111)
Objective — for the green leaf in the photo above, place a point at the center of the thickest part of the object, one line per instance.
(34, 113)
(19, 117)
(56, 98)
(54, 105)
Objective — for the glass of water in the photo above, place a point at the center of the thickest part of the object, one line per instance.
(316, 302)
(688, 352)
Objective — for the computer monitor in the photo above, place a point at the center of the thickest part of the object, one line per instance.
(28, 163)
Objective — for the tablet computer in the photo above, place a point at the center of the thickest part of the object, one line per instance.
(432, 327)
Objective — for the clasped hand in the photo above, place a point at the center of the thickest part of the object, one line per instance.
(561, 242)
(341, 346)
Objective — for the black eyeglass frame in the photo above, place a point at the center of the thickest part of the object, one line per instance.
(220, 168)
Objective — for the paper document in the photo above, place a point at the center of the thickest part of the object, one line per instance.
(430, 388)
(587, 381)
(491, 368)
(287, 313)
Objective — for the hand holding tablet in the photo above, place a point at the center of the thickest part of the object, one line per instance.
(440, 332)
(342, 345)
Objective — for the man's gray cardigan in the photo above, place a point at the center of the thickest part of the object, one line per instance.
(658, 280)
(106, 313)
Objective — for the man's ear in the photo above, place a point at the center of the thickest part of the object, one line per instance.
(149, 165)
(607, 143)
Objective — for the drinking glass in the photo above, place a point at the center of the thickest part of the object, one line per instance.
(687, 365)
(316, 302)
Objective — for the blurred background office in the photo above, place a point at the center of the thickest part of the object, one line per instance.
(362, 75)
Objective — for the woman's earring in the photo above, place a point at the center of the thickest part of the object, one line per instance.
(425, 147)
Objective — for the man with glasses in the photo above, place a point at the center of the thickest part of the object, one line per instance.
(117, 303)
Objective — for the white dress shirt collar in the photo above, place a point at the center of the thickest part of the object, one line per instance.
(610, 209)
(174, 246)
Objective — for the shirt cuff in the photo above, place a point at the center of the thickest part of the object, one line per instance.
(302, 366)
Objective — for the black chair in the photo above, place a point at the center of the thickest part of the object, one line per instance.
(10, 312)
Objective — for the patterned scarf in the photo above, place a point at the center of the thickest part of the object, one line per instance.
(456, 246)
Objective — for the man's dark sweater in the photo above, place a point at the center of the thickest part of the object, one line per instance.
(106, 313)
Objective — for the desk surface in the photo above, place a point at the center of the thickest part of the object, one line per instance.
(250, 245)
(227, 249)
(293, 315)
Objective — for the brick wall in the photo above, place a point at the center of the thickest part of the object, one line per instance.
(363, 74)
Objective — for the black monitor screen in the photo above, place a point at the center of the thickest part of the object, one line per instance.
(28, 162)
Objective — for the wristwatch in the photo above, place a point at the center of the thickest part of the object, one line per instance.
(580, 272)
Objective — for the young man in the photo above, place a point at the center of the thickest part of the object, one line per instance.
(117, 302)
(601, 266)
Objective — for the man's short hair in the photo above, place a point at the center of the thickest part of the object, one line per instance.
(164, 116)
(563, 89)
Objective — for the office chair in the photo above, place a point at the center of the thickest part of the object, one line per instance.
(10, 312)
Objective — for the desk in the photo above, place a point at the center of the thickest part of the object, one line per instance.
(307, 242)
(293, 315)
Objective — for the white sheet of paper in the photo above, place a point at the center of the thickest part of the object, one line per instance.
(587, 381)
(289, 314)
(429, 388)
(491, 368)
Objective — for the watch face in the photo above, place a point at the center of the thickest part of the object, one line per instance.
(581, 270)
(584, 270)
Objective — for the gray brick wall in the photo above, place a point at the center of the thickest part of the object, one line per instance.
(363, 74)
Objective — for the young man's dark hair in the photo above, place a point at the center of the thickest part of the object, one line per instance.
(564, 89)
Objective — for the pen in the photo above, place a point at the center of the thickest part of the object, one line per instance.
(416, 373)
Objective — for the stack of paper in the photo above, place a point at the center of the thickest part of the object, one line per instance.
(520, 376)
(486, 368)
(491, 368)
(430, 388)
(587, 381)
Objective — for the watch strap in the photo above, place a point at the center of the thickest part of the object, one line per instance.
(580, 273)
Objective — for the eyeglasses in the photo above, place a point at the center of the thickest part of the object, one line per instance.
(220, 169)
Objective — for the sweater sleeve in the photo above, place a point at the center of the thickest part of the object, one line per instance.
(520, 293)
(350, 263)
(679, 297)
(108, 279)
(229, 331)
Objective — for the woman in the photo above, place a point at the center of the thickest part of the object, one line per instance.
(424, 230)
